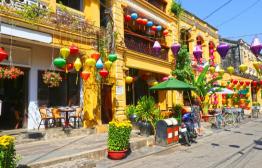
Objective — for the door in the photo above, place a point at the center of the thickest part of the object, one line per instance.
(106, 103)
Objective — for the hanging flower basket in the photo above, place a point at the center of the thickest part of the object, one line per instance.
(10, 72)
(52, 79)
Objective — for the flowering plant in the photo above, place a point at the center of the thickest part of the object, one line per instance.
(52, 79)
(119, 135)
(7, 152)
(10, 72)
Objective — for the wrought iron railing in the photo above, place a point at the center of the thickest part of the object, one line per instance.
(160, 4)
(144, 45)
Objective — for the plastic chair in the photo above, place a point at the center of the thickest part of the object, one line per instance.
(56, 114)
(77, 116)
(44, 117)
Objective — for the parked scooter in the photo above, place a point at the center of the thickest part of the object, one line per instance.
(187, 132)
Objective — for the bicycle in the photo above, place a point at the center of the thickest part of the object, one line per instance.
(218, 121)
(230, 117)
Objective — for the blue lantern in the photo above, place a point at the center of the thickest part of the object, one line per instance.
(159, 28)
(149, 24)
(134, 16)
(99, 64)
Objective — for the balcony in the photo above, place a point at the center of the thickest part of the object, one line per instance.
(160, 4)
(144, 45)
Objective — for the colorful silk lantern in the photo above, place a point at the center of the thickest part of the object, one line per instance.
(96, 56)
(247, 83)
(144, 21)
(221, 72)
(254, 83)
(139, 20)
(256, 46)
(91, 62)
(108, 65)
(128, 18)
(165, 78)
(129, 79)
(155, 83)
(85, 75)
(243, 68)
(112, 57)
(230, 70)
(64, 52)
(159, 28)
(175, 48)
(197, 52)
(241, 82)
(68, 67)
(99, 64)
(235, 82)
(153, 28)
(77, 64)
(149, 24)
(103, 73)
(222, 49)
(59, 62)
(74, 49)
(256, 65)
(260, 82)
(223, 83)
(165, 32)
(134, 16)
(157, 47)
(3, 54)
(212, 69)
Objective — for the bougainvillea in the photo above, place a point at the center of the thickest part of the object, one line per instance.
(52, 79)
(10, 72)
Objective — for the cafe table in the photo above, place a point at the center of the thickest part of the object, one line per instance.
(67, 110)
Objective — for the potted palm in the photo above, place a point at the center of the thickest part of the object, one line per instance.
(118, 139)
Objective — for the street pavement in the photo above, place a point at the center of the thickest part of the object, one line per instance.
(238, 147)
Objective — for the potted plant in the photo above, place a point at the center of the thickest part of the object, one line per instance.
(131, 113)
(118, 139)
(52, 79)
(7, 152)
(10, 72)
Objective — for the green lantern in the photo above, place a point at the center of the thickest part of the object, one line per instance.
(59, 62)
(112, 57)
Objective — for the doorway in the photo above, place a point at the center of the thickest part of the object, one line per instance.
(14, 97)
(106, 103)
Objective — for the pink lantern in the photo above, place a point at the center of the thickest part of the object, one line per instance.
(175, 48)
(165, 78)
(256, 46)
(198, 52)
(157, 47)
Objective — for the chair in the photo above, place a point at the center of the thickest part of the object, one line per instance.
(77, 116)
(44, 117)
(56, 114)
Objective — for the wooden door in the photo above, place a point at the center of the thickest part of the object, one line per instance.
(106, 103)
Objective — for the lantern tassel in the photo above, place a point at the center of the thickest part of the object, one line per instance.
(76, 78)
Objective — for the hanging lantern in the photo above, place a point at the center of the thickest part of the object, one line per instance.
(96, 56)
(74, 49)
(155, 83)
(175, 48)
(127, 18)
(235, 82)
(241, 82)
(59, 62)
(91, 62)
(134, 16)
(256, 46)
(68, 67)
(260, 82)
(149, 24)
(212, 69)
(254, 83)
(222, 49)
(64, 52)
(139, 20)
(243, 68)
(165, 78)
(103, 73)
(256, 65)
(112, 57)
(144, 21)
(223, 83)
(85, 75)
(159, 28)
(3, 54)
(99, 64)
(108, 65)
(247, 83)
(197, 52)
(221, 72)
(153, 28)
(157, 47)
(129, 79)
(230, 70)
(77, 64)
(165, 32)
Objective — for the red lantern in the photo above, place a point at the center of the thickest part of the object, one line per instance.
(139, 21)
(153, 28)
(144, 21)
(260, 82)
(165, 32)
(3, 54)
(103, 73)
(127, 18)
(247, 83)
(231, 80)
(254, 83)
(241, 82)
(235, 82)
(96, 56)
(73, 50)
(85, 75)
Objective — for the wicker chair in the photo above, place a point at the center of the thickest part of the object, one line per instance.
(44, 117)
(56, 114)
(77, 116)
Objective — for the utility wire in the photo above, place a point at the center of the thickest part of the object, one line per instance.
(239, 14)
(216, 10)
(244, 35)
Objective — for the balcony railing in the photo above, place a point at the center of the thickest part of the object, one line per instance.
(144, 45)
(160, 4)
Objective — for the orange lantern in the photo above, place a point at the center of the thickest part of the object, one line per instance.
(85, 75)
(96, 56)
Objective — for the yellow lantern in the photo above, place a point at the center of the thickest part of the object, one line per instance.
(243, 68)
(64, 52)
(129, 79)
(91, 62)
(256, 65)
(77, 64)
(230, 70)
(212, 69)
(108, 65)
(223, 83)
(221, 72)
(155, 83)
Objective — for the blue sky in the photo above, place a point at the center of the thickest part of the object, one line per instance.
(249, 22)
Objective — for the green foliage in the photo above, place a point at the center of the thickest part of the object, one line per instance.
(32, 12)
(7, 152)
(183, 70)
(131, 109)
(176, 8)
(119, 135)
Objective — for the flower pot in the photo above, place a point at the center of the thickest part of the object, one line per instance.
(146, 128)
(117, 155)
(133, 118)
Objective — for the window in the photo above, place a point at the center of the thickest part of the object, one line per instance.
(160, 4)
(68, 93)
(75, 4)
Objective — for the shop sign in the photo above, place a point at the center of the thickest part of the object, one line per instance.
(119, 90)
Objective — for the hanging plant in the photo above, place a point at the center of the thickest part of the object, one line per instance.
(176, 8)
(52, 79)
(10, 72)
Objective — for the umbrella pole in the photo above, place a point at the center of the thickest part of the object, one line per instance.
(189, 98)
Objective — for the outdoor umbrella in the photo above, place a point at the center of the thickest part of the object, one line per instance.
(221, 91)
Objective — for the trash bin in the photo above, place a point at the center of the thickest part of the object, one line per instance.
(167, 132)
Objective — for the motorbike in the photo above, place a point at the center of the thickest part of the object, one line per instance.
(187, 132)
